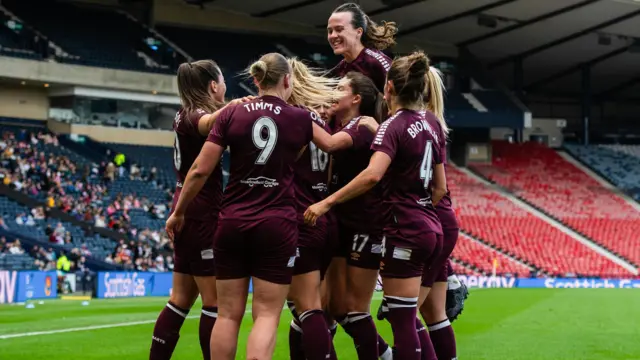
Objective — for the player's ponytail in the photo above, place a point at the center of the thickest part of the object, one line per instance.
(375, 36)
(310, 89)
(269, 70)
(434, 96)
(409, 77)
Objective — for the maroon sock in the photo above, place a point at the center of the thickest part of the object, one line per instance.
(316, 339)
(207, 321)
(363, 331)
(166, 332)
(382, 345)
(444, 340)
(295, 341)
(333, 329)
(402, 316)
(427, 353)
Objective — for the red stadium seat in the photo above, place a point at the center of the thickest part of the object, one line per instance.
(545, 179)
(490, 216)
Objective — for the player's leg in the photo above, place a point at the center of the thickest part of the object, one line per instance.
(305, 290)
(232, 286)
(363, 262)
(402, 271)
(232, 301)
(166, 331)
(203, 269)
(272, 252)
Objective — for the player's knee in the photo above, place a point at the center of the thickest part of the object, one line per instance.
(433, 311)
(184, 301)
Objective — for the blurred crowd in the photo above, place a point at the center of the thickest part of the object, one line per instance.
(35, 164)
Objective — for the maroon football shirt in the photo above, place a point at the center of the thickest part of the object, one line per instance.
(365, 211)
(186, 148)
(445, 207)
(414, 148)
(311, 175)
(264, 136)
(370, 62)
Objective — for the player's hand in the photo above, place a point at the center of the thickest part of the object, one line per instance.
(174, 225)
(370, 123)
(315, 211)
(241, 100)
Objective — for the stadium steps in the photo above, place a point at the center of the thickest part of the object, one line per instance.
(559, 224)
(470, 269)
(506, 253)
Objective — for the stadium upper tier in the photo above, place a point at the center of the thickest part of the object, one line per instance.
(493, 218)
(85, 35)
(620, 164)
(543, 178)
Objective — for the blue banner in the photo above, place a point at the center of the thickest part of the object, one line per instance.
(20, 286)
(116, 284)
(473, 281)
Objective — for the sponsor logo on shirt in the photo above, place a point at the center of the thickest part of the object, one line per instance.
(319, 187)
(260, 180)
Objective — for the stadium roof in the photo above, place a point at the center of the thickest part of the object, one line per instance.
(555, 38)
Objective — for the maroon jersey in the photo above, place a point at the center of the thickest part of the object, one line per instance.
(445, 207)
(311, 175)
(414, 148)
(370, 62)
(186, 148)
(265, 137)
(364, 212)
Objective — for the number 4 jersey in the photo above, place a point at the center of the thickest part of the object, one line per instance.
(413, 146)
(186, 148)
(264, 137)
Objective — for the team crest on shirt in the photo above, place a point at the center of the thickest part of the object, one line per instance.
(260, 180)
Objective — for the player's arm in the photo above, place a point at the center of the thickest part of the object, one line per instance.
(206, 121)
(370, 123)
(200, 171)
(439, 189)
(362, 183)
(331, 143)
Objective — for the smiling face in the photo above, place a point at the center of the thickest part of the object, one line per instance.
(346, 99)
(341, 34)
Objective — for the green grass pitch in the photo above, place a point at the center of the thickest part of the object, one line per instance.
(513, 324)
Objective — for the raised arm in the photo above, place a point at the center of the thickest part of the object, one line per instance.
(331, 143)
(206, 121)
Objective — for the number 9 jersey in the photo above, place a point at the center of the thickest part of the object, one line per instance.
(265, 136)
(186, 148)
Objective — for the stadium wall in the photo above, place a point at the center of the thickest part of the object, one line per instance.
(24, 102)
(66, 74)
(108, 134)
(20, 286)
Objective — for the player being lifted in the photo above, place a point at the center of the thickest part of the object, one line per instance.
(407, 161)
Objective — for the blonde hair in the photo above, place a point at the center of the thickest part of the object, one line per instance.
(310, 89)
(193, 85)
(434, 96)
(269, 70)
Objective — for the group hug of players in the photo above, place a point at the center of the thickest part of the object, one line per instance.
(326, 191)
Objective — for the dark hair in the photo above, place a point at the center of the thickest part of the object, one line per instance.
(373, 35)
(194, 79)
(269, 70)
(371, 99)
(409, 77)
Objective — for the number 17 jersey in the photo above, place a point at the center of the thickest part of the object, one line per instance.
(264, 137)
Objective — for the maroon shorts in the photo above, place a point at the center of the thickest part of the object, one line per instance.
(315, 249)
(362, 249)
(439, 271)
(407, 258)
(193, 248)
(264, 248)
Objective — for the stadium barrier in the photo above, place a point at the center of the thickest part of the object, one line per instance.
(118, 284)
(20, 286)
(473, 281)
